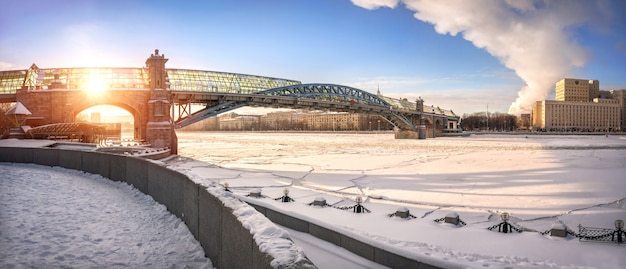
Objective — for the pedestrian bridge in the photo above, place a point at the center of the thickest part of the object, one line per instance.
(163, 99)
(327, 97)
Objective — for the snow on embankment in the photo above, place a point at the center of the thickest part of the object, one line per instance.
(52, 217)
(270, 238)
(265, 245)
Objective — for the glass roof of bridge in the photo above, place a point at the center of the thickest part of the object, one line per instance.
(11, 81)
(125, 78)
(196, 80)
(179, 80)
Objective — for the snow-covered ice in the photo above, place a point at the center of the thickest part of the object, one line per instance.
(51, 217)
(541, 180)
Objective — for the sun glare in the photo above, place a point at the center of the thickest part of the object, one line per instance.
(95, 82)
(95, 85)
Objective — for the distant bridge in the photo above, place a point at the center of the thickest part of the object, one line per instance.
(161, 99)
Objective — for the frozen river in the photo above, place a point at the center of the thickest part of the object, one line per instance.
(540, 180)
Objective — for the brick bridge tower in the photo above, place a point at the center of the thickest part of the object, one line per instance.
(160, 129)
(421, 129)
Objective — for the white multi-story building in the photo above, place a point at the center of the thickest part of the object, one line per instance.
(599, 115)
(574, 89)
(578, 107)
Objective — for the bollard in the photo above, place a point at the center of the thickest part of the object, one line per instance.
(319, 201)
(559, 230)
(452, 218)
(256, 193)
(402, 212)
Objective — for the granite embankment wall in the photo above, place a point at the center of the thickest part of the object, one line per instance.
(364, 249)
(224, 238)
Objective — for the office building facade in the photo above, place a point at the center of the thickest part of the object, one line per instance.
(580, 107)
(577, 90)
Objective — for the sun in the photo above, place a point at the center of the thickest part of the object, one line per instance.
(95, 85)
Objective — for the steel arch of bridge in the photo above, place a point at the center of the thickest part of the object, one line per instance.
(340, 93)
(328, 92)
(336, 97)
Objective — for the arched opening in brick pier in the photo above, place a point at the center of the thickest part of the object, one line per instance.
(120, 122)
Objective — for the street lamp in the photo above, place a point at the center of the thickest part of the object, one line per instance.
(504, 216)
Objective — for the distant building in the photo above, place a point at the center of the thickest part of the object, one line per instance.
(113, 130)
(453, 119)
(343, 121)
(620, 97)
(284, 120)
(524, 121)
(577, 90)
(580, 106)
(235, 122)
(599, 115)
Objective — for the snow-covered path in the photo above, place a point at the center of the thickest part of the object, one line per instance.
(327, 255)
(60, 218)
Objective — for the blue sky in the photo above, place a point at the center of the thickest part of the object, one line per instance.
(459, 55)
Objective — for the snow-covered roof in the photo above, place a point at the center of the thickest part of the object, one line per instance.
(18, 109)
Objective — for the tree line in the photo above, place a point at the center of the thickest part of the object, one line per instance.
(485, 121)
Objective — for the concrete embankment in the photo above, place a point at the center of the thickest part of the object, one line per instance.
(210, 215)
(358, 246)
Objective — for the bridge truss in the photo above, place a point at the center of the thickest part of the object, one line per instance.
(328, 97)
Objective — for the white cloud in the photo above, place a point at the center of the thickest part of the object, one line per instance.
(530, 37)
(375, 4)
(388, 83)
(8, 66)
(460, 99)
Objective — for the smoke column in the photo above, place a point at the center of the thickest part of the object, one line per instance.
(529, 37)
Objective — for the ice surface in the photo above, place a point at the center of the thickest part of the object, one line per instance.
(540, 180)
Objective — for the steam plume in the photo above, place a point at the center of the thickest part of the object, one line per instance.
(529, 37)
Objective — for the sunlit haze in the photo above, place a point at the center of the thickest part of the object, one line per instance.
(467, 56)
